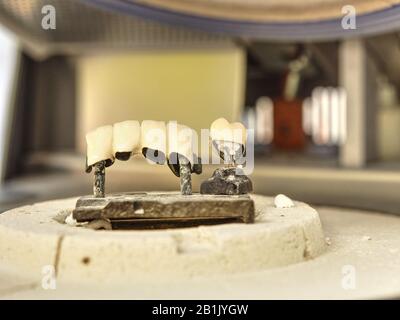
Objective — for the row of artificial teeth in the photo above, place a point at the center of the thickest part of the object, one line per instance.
(106, 142)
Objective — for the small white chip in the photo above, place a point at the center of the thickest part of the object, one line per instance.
(282, 201)
(328, 241)
(69, 220)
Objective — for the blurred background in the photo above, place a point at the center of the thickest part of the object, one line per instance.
(321, 96)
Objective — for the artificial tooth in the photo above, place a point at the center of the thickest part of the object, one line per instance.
(126, 140)
(100, 146)
(229, 138)
(222, 130)
(180, 146)
(153, 141)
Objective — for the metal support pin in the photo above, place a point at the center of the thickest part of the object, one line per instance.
(185, 174)
(99, 179)
(230, 155)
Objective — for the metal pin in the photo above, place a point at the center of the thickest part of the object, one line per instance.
(99, 180)
(185, 174)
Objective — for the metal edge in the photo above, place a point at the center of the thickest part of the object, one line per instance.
(367, 24)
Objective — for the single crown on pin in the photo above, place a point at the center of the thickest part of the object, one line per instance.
(229, 139)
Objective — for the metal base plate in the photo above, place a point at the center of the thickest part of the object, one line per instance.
(164, 210)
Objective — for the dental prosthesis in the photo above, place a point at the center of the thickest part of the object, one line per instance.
(171, 144)
(157, 142)
(175, 145)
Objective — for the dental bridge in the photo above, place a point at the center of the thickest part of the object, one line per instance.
(223, 198)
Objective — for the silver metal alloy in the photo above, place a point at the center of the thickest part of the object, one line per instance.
(99, 179)
(186, 179)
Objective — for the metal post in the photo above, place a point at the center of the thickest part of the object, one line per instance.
(185, 173)
(99, 180)
(186, 179)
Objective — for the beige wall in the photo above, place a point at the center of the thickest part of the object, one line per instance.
(193, 87)
(388, 133)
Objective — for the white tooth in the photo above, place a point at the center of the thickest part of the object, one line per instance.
(222, 130)
(153, 136)
(180, 140)
(99, 145)
(127, 137)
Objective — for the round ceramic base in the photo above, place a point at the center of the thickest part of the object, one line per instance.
(34, 237)
(361, 261)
